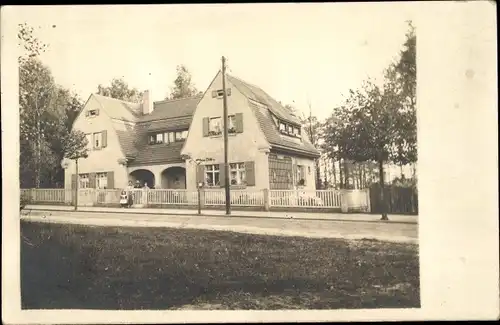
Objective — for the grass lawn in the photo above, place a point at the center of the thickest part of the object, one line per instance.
(82, 267)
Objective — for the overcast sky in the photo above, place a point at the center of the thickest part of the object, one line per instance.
(292, 51)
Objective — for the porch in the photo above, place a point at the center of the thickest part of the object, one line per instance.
(167, 176)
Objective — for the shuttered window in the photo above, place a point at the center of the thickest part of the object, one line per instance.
(237, 174)
(84, 181)
(213, 126)
(212, 175)
(102, 180)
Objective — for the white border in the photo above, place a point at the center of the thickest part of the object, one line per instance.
(458, 180)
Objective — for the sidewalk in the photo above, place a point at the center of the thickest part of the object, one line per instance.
(313, 228)
(354, 217)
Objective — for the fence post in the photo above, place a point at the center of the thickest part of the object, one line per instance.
(145, 197)
(344, 206)
(368, 194)
(266, 199)
(95, 197)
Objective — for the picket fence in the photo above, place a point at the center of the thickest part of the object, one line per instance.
(344, 200)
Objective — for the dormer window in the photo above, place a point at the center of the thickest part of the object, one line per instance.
(92, 113)
(289, 129)
(167, 137)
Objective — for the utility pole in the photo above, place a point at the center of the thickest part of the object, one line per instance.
(226, 163)
(76, 185)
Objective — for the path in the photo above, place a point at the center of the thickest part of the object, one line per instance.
(392, 232)
(365, 217)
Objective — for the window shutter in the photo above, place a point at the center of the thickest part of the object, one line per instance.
(92, 180)
(87, 113)
(239, 122)
(205, 126)
(200, 174)
(93, 140)
(214, 93)
(250, 173)
(111, 180)
(104, 138)
(73, 181)
(96, 112)
(222, 175)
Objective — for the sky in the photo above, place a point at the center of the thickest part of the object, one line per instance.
(298, 53)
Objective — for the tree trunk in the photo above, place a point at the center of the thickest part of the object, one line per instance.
(334, 174)
(76, 185)
(382, 189)
(346, 174)
(341, 172)
(318, 175)
(363, 175)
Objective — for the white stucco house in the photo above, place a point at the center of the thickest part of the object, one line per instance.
(157, 143)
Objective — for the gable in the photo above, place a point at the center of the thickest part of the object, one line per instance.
(244, 142)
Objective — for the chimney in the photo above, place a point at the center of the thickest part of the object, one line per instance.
(147, 103)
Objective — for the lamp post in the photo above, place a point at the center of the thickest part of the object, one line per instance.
(199, 183)
(65, 165)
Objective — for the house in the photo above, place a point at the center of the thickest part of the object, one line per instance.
(176, 144)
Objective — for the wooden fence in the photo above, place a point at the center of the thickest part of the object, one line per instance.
(400, 200)
(345, 200)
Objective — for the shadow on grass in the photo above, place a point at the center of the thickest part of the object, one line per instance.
(81, 267)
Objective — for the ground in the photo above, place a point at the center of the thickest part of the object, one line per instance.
(85, 267)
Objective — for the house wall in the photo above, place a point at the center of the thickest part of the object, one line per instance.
(250, 145)
(101, 160)
(310, 171)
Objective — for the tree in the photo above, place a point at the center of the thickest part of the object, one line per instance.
(36, 89)
(75, 147)
(404, 71)
(313, 128)
(183, 85)
(119, 89)
(46, 111)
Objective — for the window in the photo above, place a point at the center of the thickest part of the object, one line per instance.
(296, 131)
(102, 180)
(98, 140)
(180, 135)
(301, 175)
(290, 129)
(215, 126)
(84, 181)
(171, 137)
(93, 112)
(89, 140)
(212, 175)
(159, 138)
(282, 127)
(167, 137)
(231, 125)
(238, 175)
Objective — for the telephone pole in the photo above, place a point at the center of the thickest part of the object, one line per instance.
(226, 163)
